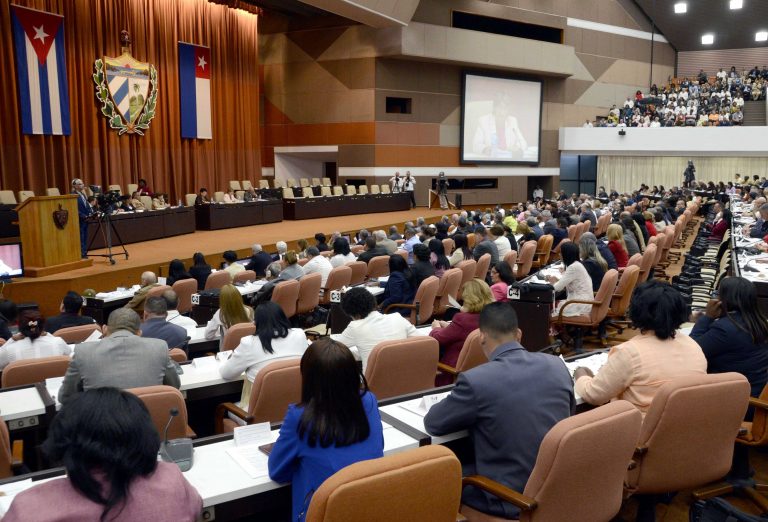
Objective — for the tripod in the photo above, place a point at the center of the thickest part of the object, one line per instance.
(107, 227)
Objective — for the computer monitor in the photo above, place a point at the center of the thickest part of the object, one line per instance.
(11, 263)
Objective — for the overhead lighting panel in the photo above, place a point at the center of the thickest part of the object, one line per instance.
(737, 4)
(761, 36)
(681, 7)
(707, 39)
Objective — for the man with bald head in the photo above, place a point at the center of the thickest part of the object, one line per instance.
(122, 359)
(148, 282)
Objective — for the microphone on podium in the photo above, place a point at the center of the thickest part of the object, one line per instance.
(178, 451)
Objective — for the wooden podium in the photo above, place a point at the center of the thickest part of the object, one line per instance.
(50, 235)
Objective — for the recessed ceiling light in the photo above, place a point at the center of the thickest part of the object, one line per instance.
(761, 36)
(737, 4)
(707, 39)
(681, 7)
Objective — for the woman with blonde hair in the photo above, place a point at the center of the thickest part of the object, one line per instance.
(527, 233)
(231, 311)
(615, 236)
(451, 336)
(593, 261)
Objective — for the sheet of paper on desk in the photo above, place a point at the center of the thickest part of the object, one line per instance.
(206, 364)
(251, 459)
(423, 405)
(592, 362)
(9, 491)
(258, 434)
(95, 336)
(53, 385)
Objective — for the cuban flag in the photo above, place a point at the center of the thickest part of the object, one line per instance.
(42, 71)
(195, 91)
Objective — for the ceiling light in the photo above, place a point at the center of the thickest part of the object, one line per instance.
(681, 7)
(707, 39)
(761, 36)
(737, 4)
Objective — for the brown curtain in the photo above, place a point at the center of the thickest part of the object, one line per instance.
(95, 152)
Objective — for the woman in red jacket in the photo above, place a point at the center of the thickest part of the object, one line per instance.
(451, 336)
(615, 236)
(718, 230)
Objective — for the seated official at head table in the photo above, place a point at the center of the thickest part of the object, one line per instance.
(108, 444)
(337, 423)
(122, 359)
(32, 341)
(202, 197)
(508, 404)
(70, 314)
(637, 368)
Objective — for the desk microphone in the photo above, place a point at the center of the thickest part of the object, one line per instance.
(178, 451)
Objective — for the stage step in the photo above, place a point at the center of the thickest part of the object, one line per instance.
(754, 113)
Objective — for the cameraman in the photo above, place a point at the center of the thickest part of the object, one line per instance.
(84, 209)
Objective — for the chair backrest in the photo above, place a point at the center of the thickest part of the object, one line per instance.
(235, 333)
(556, 250)
(326, 191)
(30, 371)
(7, 197)
(159, 400)
(306, 192)
(561, 492)
(448, 246)
(147, 201)
(683, 446)
(309, 293)
(604, 296)
(646, 264)
(357, 249)
(572, 229)
(471, 353)
(326, 182)
(482, 267)
(425, 298)
(277, 385)
(402, 366)
(288, 193)
(25, 194)
(286, 294)
(303, 182)
(339, 277)
(362, 189)
(351, 190)
(184, 290)
(263, 184)
(235, 185)
(468, 270)
(315, 182)
(510, 258)
(661, 239)
(544, 249)
(338, 191)
(425, 481)
(623, 292)
(378, 267)
(385, 189)
(190, 199)
(157, 291)
(277, 183)
(246, 184)
(76, 334)
(177, 354)
(525, 259)
(359, 269)
(375, 189)
(218, 279)
(244, 276)
(449, 286)
(132, 187)
(52, 191)
(116, 187)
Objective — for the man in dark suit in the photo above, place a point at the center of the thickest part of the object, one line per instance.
(483, 245)
(371, 250)
(84, 209)
(507, 404)
(70, 314)
(156, 326)
(122, 359)
(259, 261)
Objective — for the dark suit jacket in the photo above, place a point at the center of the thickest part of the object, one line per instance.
(158, 328)
(200, 273)
(83, 208)
(397, 290)
(65, 320)
(607, 255)
(259, 263)
(370, 254)
(508, 405)
(486, 247)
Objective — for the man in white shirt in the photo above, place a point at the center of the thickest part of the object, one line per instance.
(397, 182)
(369, 327)
(234, 268)
(318, 264)
(172, 300)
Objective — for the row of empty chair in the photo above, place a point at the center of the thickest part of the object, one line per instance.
(337, 190)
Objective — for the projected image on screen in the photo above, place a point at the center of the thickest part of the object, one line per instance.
(501, 118)
(10, 260)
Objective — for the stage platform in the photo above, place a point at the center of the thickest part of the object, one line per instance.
(155, 255)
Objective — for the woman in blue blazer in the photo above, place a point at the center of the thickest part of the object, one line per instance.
(336, 424)
(399, 287)
(733, 333)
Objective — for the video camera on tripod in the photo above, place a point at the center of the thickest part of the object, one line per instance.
(109, 201)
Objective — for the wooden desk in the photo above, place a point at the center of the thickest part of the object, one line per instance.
(311, 208)
(216, 216)
(135, 227)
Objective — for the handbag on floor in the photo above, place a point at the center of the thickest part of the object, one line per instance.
(718, 510)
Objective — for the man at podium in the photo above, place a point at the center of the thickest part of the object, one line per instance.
(84, 209)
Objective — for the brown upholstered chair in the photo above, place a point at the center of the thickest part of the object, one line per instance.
(378, 267)
(543, 250)
(10, 456)
(525, 259)
(646, 263)
(561, 485)
(159, 400)
(555, 255)
(449, 286)
(157, 291)
(286, 294)
(403, 366)
(402, 253)
(357, 249)
(76, 334)
(309, 293)
(244, 276)
(621, 296)
(235, 333)
(471, 355)
(468, 269)
(337, 278)
(359, 270)
(184, 290)
(218, 279)
(680, 445)
(572, 232)
(420, 484)
(510, 258)
(177, 354)
(423, 306)
(277, 385)
(448, 246)
(482, 267)
(30, 371)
